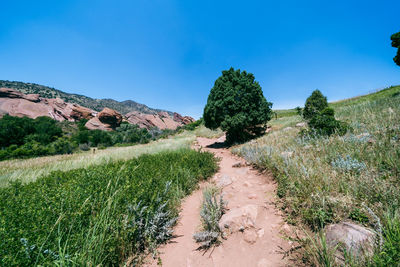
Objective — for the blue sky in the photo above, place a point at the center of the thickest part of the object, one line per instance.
(167, 54)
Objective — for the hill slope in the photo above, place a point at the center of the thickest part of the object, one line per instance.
(95, 104)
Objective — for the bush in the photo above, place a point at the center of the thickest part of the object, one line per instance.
(314, 105)
(236, 104)
(324, 123)
(98, 215)
(212, 209)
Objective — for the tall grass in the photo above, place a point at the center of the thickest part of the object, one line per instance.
(28, 170)
(324, 180)
(99, 215)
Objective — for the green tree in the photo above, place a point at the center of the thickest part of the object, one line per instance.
(396, 43)
(236, 104)
(314, 104)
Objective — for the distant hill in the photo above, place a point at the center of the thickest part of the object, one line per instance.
(123, 107)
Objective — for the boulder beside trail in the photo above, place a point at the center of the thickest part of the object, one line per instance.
(350, 237)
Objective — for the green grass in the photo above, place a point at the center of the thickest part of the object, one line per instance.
(324, 180)
(28, 170)
(98, 215)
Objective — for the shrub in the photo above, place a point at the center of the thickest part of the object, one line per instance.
(212, 209)
(236, 104)
(324, 123)
(314, 105)
(348, 164)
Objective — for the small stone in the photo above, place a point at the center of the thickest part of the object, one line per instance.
(301, 124)
(252, 196)
(250, 236)
(224, 181)
(247, 184)
(237, 165)
(260, 233)
(287, 154)
(262, 263)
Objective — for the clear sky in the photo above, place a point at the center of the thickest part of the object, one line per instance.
(167, 54)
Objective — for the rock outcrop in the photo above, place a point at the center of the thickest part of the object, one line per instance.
(16, 103)
(107, 119)
(161, 120)
(183, 119)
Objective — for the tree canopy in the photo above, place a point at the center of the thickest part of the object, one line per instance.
(236, 104)
(396, 43)
(314, 104)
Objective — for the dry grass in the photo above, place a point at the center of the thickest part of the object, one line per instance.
(202, 131)
(323, 180)
(28, 170)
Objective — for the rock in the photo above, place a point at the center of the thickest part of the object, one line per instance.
(79, 113)
(224, 181)
(32, 97)
(260, 233)
(356, 239)
(160, 120)
(237, 165)
(247, 184)
(252, 196)
(287, 154)
(110, 117)
(263, 263)
(237, 218)
(287, 129)
(301, 124)
(250, 235)
(182, 119)
(96, 124)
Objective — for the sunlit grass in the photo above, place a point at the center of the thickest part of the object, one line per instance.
(28, 170)
(324, 180)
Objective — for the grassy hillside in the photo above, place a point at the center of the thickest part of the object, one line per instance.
(323, 180)
(95, 104)
(387, 92)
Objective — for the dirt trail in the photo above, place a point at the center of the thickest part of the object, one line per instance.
(250, 195)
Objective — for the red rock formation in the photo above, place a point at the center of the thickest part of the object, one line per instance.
(183, 119)
(108, 119)
(110, 116)
(18, 104)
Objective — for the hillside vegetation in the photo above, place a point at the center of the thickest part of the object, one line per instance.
(327, 179)
(28, 170)
(102, 215)
(123, 107)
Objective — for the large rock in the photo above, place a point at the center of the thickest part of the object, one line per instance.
(79, 112)
(239, 219)
(183, 119)
(161, 120)
(355, 239)
(110, 117)
(96, 124)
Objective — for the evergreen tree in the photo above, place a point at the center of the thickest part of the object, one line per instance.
(236, 104)
(314, 104)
